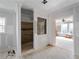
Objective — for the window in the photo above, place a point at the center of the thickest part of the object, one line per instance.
(67, 28)
(2, 25)
(64, 28)
(71, 28)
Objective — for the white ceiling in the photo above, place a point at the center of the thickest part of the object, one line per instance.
(50, 6)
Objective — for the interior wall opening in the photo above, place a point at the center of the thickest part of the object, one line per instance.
(64, 33)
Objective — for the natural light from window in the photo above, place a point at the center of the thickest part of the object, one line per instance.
(2, 24)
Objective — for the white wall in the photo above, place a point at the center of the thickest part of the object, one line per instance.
(51, 30)
(18, 30)
(76, 29)
(40, 41)
(8, 38)
(13, 32)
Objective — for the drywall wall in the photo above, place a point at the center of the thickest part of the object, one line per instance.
(76, 30)
(51, 30)
(13, 31)
(8, 38)
(40, 41)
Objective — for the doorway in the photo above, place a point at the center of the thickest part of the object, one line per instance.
(64, 33)
(26, 29)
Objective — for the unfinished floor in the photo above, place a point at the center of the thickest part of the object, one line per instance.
(51, 53)
(66, 43)
(48, 53)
